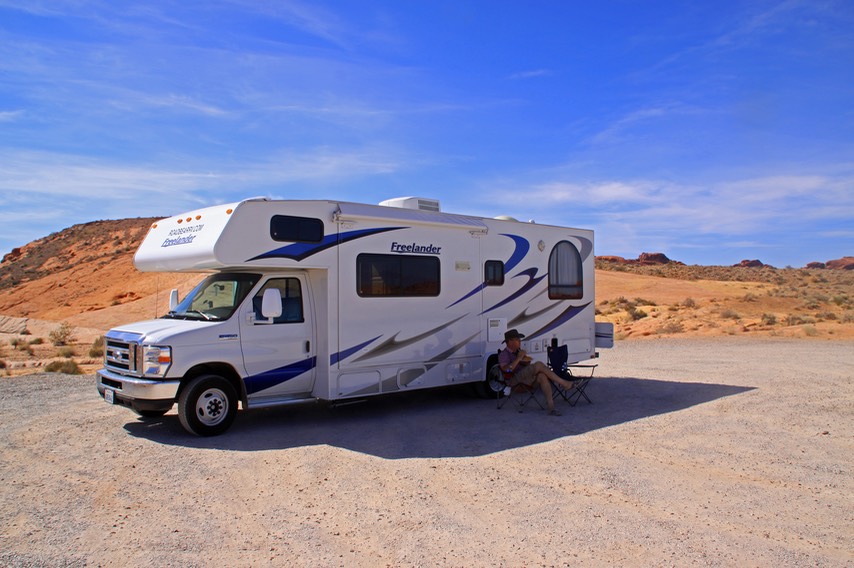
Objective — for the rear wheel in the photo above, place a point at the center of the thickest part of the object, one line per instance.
(493, 384)
(207, 405)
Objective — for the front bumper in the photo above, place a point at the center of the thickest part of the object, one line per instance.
(136, 393)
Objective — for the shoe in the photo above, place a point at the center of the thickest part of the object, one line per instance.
(554, 412)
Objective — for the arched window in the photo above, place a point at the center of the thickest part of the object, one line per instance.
(566, 280)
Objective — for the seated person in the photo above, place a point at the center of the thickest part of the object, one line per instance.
(513, 359)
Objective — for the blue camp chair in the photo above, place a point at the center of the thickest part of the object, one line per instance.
(580, 375)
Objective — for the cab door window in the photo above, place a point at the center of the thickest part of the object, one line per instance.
(292, 305)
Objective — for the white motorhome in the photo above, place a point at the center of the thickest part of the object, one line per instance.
(327, 300)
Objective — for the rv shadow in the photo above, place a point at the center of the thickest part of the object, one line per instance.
(440, 422)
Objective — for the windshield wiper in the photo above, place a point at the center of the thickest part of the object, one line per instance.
(203, 314)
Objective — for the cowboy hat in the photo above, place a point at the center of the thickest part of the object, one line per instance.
(512, 334)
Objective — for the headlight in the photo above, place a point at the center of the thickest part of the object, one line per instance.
(156, 360)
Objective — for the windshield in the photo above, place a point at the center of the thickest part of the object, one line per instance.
(215, 298)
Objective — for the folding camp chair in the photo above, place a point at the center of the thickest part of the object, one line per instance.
(580, 375)
(521, 394)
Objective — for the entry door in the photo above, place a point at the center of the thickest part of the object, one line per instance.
(279, 356)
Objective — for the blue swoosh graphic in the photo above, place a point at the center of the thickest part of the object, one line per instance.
(586, 247)
(531, 273)
(301, 251)
(522, 248)
(273, 377)
(341, 355)
(561, 319)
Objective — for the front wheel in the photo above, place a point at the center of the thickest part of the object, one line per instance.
(207, 406)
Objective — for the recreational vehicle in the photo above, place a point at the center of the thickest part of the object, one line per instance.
(331, 301)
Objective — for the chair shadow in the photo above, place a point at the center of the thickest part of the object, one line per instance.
(439, 422)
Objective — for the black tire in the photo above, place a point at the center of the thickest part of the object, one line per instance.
(207, 405)
(493, 384)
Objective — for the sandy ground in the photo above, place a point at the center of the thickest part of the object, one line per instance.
(726, 452)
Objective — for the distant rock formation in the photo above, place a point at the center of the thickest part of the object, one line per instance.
(613, 259)
(653, 258)
(817, 265)
(844, 263)
(645, 259)
(750, 264)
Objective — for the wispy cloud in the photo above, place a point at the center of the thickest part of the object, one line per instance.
(10, 115)
(531, 74)
(731, 207)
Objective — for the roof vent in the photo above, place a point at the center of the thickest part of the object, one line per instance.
(419, 203)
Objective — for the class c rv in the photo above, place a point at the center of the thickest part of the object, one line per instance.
(333, 301)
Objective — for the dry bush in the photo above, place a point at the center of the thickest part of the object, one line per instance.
(68, 367)
(671, 327)
(63, 335)
(97, 349)
(634, 314)
(66, 352)
(730, 314)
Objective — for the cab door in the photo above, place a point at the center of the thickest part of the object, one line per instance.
(279, 353)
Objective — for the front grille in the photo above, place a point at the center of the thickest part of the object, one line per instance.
(122, 356)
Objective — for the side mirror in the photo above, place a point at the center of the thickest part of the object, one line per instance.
(173, 299)
(271, 304)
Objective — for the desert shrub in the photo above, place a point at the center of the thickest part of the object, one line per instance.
(67, 352)
(730, 314)
(749, 297)
(36, 341)
(689, 303)
(63, 335)
(826, 316)
(848, 317)
(671, 327)
(769, 319)
(810, 331)
(15, 342)
(97, 349)
(642, 302)
(2, 364)
(22, 346)
(68, 366)
(793, 319)
(633, 314)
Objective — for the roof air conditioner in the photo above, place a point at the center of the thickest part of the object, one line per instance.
(420, 203)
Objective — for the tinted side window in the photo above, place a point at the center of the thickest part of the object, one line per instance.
(493, 273)
(397, 275)
(566, 280)
(296, 229)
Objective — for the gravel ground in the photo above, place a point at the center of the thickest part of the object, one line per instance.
(694, 452)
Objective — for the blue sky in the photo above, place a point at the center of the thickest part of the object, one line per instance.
(710, 131)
